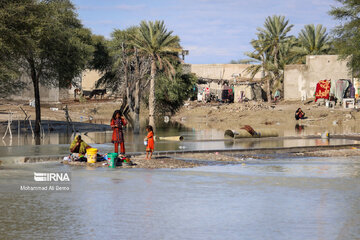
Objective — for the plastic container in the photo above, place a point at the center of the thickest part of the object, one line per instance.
(145, 143)
(112, 157)
(91, 155)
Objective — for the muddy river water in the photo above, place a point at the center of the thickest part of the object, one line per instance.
(280, 198)
(301, 198)
(58, 143)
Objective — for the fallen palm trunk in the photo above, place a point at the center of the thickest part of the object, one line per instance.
(173, 138)
(242, 133)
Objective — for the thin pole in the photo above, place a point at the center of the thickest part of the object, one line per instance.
(32, 131)
(18, 127)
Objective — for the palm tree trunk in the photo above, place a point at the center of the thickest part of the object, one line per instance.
(137, 107)
(268, 89)
(276, 57)
(276, 64)
(152, 93)
(137, 94)
(126, 76)
(263, 75)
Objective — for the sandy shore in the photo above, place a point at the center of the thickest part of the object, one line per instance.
(199, 116)
(262, 115)
(239, 157)
(190, 160)
(215, 157)
(331, 153)
(207, 116)
(140, 162)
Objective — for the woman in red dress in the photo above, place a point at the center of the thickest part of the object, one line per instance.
(117, 123)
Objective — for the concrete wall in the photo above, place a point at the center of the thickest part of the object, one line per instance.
(247, 91)
(300, 80)
(47, 95)
(54, 94)
(221, 71)
(89, 78)
(215, 86)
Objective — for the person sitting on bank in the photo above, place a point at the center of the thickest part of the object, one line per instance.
(79, 146)
(277, 95)
(299, 114)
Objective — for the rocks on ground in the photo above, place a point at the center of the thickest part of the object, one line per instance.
(331, 153)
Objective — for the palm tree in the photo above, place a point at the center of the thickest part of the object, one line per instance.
(274, 34)
(154, 40)
(269, 50)
(127, 63)
(313, 41)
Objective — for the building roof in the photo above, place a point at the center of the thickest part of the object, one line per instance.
(238, 80)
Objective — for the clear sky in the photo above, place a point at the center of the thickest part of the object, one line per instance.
(215, 31)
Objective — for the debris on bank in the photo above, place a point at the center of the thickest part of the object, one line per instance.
(242, 133)
(236, 157)
(141, 162)
(331, 153)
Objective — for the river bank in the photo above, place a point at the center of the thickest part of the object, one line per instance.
(92, 115)
(139, 161)
(196, 119)
(280, 116)
(190, 159)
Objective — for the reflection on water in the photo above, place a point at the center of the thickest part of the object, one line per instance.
(134, 143)
(175, 129)
(299, 129)
(302, 198)
(58, 143)
(169, 129)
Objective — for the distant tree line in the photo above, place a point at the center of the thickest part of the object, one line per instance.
(274, 47)
(45, 40)
(143, 61)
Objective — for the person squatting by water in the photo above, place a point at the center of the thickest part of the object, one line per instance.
(299, 114)
(150, 142)
(78, 146)
(117, 123)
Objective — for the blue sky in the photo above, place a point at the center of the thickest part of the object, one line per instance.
(215, 31)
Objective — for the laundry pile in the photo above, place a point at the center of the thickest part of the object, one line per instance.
(334, 90)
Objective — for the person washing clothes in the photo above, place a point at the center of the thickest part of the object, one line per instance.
(117, 123)
(78, 146)
(150, 142)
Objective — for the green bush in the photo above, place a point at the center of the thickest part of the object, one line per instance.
(171, 93)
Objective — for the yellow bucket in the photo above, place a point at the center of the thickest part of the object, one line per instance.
(91, 155)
